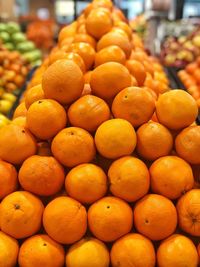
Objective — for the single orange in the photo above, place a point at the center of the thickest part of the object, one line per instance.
(111, 53)
(86, 183)
(21, 214)
(67, 31)
(137, 70)
(20, 121)
(8, 179)
(155, 217)
(21, 110)
(45, 118)
(129, 178)
(63, 81)
(88, 252)
(125, 27)
(115, 138)
(177, 250)
(88, 112)
(188, 209)
(98, 22)
(73, 146)
(110, 218)
(16, 144)
(109, 79)
(171, 177)
(134, 104)
(133, 249)
(41, 175)
(176, 109)
(187, 144)
(33, 94)
(154, 140)
(85, 38)
(65, 220)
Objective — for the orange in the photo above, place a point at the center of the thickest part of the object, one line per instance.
(45, 118)
(88, 112)
(125, 27)
(73, 146)
(86, 51)
(155, 217)
(115, 138)
(16, 144)
(177, 250)
(188, 209)
(8, 179)
(176, 109)
(98, 22)
(190, 68)
(115, 38)
(133, 104)
(87, 77)
(20, 110)
(110, 218)
(33, 94)
(148, 67)
(133, 250)
(129, 178)
(21, 214)
(41, 175)
(137, 70)
(9, 250)
(20, 121)
(171, 177)
(187, 144)
(85, 38)
(63, 81)
(41, 250)
(67, 31)
(88, 252)
(86, 183)
(109, 79)
(56, 55)
(65, 220)
(154, 140)
(110, 53)
(64, 44)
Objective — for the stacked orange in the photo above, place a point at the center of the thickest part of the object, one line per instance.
(87, 178)
(190, 77)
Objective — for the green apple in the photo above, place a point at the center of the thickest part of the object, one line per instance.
(10, 97)
(5, 106)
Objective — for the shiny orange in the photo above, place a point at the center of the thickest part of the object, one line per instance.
(137, 70)
(33, 94)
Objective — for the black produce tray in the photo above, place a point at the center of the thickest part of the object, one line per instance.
(18, 93)
(176, 83)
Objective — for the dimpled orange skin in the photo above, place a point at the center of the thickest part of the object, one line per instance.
(41, 175)
(41, 250)
(8, 179)
(86, 183)
(171, 177)
(45, 118)
(21, 214)
(73, 146)
(133, 249)
(88, 112)
(177, 250)
(109, 79)
(133, 104)
(65, 220)
(188, 209)
(63, 81)
(110, 218)
(33, 94)
(16, 144)
(115, 138)
(110, 53)
(129, 178)
(9, 250)
(155, 217)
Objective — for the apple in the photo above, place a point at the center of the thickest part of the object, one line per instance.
(170, 59)
(5, 106)
(10, 97)
(196, 40)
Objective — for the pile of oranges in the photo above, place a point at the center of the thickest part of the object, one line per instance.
(190, 77)
(100, 164)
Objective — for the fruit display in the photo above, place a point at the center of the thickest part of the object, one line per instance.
(179, 51)
(97, 163)
(190, 77)
(139, 25)
(13, 73)
(13, 39)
